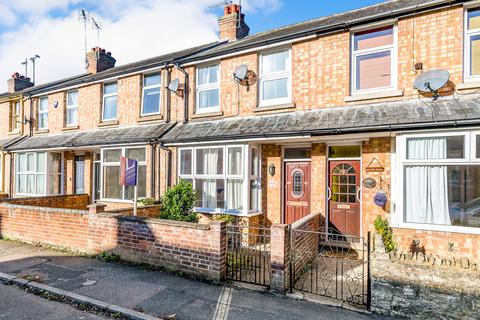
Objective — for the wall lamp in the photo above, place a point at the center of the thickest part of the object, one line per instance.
(271, 169)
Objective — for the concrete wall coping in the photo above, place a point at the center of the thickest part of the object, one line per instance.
(181, 224)
(42, 197)
(43, 209)
(131, 208)
(300, 222)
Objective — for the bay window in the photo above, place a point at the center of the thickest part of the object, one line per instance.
(208, 88)
(111, 188)
(275, 78)
(225, 177)
(30, 173)
(373, 59)
(439, 176)
(472, 44)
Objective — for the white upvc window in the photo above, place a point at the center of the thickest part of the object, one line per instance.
(472, 44)
(42, 121)
(223, 177)
(71, 113)
(111, 190)
(151, 94)
(38, 173)
(109, 107)
(208, 88)
(275, 83)
(374, 59)
(438, 181)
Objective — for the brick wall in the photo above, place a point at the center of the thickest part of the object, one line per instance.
(78, 202)
(142, 212)
(304, 241)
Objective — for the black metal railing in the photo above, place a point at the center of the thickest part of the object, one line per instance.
(332, 265)
(248, 254)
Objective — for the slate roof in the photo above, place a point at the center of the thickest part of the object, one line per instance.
(386, 116)
(98, 137)
(341, 21)
(5, 142)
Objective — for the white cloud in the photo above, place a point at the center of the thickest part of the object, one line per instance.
(132, 30)
(8, 16)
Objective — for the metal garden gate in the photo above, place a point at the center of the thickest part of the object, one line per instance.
(248, 254)
(331, 265)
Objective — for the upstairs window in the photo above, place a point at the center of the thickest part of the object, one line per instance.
(151, 94)
(42, 122)
(373, 59)
(275, 78)
(208, 89)
(71, 118)
(472, 44)
(15, 115)
(109, 102)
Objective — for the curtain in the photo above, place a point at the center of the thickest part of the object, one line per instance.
(234, 195)
(426, 187)
(210, 159)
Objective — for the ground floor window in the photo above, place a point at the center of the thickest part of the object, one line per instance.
(226, 177)
(111, 188)
(441, 179)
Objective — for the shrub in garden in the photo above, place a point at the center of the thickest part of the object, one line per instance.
(383, 229)
(178, 202)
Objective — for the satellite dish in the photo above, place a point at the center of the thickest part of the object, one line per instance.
(240, 72)
(432, 81)
(173, 86)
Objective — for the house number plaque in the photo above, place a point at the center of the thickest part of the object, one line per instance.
(369, 183)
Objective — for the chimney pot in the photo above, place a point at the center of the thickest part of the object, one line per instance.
(99, 60)
(232, 25)
(18, 83)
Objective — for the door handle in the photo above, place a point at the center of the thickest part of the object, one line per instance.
(329, 193)
(358, 194)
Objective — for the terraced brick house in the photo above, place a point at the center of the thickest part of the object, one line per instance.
(324, 118)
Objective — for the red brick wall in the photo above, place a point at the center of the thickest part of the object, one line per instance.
(304, 240)
(144, 212)
(78, 202)
(58, 227)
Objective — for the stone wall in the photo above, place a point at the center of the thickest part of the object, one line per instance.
(409, 287)
(76, 201)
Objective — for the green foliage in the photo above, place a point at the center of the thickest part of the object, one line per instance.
(145, 202)
(228, 218)
(178, 202)
(108, 257)
(383, 229)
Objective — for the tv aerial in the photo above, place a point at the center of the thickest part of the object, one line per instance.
(84, 18)
(97, 26)
(432, 81)
(243, 76)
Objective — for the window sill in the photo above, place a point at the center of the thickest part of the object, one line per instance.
(468, 85)
(275, 107)
(70, 128)
(14, 133)
(153, 117)
(108, 123)
(207, 115)
(222, 212)
(41, 131)
(374, 95)
(436, 228)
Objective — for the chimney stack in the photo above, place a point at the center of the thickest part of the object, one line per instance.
(99, 60)
(232, 25)
(18, 83)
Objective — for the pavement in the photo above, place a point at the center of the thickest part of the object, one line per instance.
(17, 304)
(148, 291)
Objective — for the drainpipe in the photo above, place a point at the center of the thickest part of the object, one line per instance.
(30, 121)
(10, 192)
(169, 95)
(153, 144)
(185, 92)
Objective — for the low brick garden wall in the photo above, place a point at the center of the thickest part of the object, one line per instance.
(79, 202)
(196, 249)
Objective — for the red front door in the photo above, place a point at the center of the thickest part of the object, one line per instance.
(297, 191)
(344, 197)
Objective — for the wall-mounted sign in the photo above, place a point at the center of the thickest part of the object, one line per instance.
(375, 166)
(369, 183)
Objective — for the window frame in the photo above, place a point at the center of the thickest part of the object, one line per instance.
(354, 54)
(159, 86)
(245, 177)
(41, 112)
(117, 164)
(467, 35)
(71, 107)
(108, 96)
(275, 76)
(31, 172)
(15, 116)
(400, 162)
(207, 87)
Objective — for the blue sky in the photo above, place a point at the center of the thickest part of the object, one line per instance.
(132, 29)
